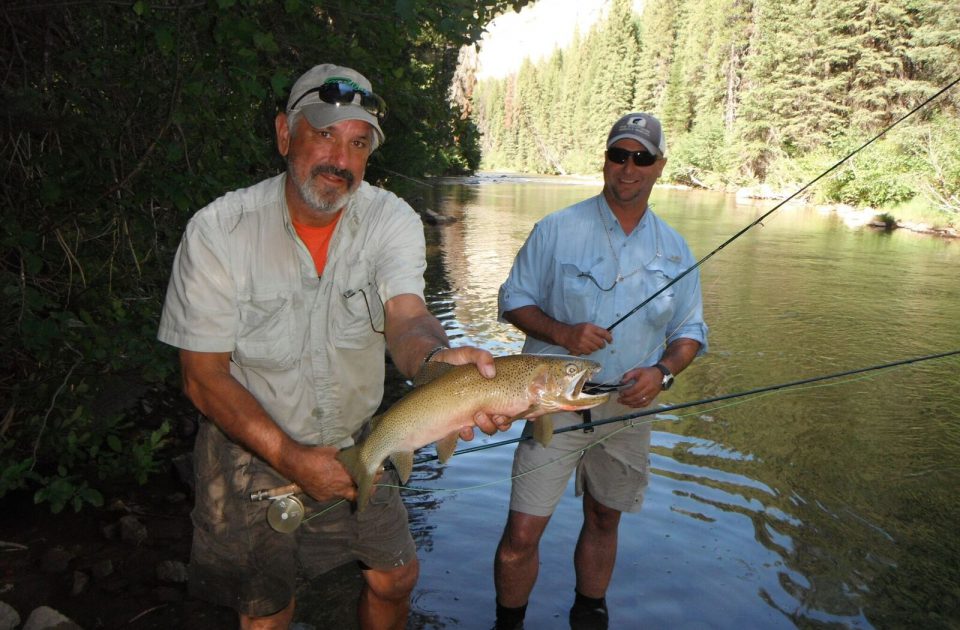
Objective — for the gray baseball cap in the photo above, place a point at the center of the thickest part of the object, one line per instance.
(641, 127)
(327, 93)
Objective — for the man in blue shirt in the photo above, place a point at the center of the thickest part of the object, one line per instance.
(581, 269)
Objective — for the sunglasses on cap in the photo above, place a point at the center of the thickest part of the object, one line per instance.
(336, 92)
(640, 158)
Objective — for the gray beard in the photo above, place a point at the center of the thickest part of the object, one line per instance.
(313, 199)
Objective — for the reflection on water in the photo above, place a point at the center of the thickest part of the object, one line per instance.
(833, 504)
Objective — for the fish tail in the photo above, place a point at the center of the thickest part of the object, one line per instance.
(350, 458)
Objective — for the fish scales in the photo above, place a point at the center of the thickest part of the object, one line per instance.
(525, 386)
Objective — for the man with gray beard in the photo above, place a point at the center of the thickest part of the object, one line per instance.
(283, 299)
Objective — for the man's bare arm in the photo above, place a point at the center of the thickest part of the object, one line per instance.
(577, 339)
(221, 398)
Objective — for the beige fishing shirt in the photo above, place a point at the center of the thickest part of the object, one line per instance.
(306, 347)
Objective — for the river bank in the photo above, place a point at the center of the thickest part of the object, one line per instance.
(852, 216)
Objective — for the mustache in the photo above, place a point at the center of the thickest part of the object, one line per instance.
(333, 170)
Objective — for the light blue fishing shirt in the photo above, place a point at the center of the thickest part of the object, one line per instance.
(567, 248)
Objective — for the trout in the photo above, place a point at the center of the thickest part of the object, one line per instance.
(526, 386)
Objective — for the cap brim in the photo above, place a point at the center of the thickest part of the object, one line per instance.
(649, 146)
(321, 115)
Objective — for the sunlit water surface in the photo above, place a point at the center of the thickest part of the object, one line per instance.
(830, 505)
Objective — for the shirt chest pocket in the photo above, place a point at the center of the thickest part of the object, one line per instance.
(357, 309)
(660, 310)
(579, 291)
(267, 336)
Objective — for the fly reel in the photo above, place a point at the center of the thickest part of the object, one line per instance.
(286, 511)
(285, 514)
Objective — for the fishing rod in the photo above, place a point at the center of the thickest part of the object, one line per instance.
(704, 401)
(779, 205)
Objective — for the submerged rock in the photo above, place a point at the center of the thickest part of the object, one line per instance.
(46, 618)
(9, 618)
(433, 218)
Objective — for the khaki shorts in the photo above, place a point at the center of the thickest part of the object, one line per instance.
(239, 561)
(612, 462)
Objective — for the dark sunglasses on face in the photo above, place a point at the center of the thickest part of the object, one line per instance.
(640, 158)
(343, 93)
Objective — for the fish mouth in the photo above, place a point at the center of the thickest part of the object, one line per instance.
(574, 392)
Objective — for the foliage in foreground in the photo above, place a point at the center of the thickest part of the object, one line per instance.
(122, 119)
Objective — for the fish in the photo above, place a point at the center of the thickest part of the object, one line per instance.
(447, 397)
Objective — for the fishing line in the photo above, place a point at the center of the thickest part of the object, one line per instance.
(779, 205)
(704, 401)
(576, 452)
(756, 393)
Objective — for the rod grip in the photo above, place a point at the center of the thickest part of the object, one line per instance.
(262, 495)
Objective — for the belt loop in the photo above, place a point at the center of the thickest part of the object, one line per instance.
(587, 418)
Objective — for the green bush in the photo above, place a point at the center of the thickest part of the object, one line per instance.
(881, 176)
(700, 157)
(120, 121)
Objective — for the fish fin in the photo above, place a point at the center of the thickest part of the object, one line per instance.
(526, 413)
(350, 458)
(543, 429)
(431, 370)
(403, 462)
(446, 446)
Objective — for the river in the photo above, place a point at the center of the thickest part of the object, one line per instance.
(833, 504)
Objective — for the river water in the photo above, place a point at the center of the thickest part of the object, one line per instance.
(830, 505)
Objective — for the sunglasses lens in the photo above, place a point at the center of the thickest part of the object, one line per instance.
(373, 104)
(337, 93)
(642, 158)
(617, 156)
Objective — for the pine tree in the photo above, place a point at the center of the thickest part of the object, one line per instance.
(869, 44)
(658, 31)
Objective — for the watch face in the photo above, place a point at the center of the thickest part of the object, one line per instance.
(667, 376)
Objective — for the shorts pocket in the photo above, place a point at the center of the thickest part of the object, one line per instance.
(382, 495)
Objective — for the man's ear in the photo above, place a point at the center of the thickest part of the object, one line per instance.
(660, 164)
(283, 133)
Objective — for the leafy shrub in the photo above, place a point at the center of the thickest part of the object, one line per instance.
(121, 120)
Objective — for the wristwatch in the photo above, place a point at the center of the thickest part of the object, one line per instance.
(667, 376)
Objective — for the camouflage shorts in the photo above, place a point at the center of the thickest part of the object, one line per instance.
(239, 561)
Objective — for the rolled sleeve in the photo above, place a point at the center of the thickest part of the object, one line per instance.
(402, 261)
(199, 312)
(524, 285)
(689, 322)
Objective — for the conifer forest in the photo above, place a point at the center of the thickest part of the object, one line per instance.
(750, 92)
